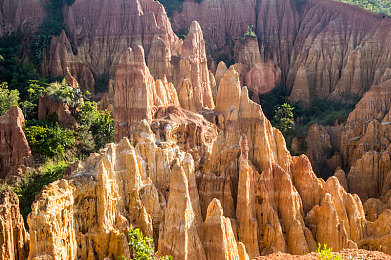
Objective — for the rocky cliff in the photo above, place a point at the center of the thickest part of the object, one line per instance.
(21, 15)
(237, 191)
(100, 31)
(324, 48)
(15, 153)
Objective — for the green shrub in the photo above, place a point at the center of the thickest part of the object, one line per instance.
(8, 98)
(32, 183)
(142, 247)
(250, 32)
(50, 140)
(96, 124)
(66, 93)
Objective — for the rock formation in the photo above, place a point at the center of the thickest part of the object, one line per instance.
(137, 93)
(23, 16)
(237, 192)
(324, 48)
(62, 62)
(193, 66)
(13, 236)
(101, 31)
(15, 153)
(49, 105)
(364, 145)
(217, 182)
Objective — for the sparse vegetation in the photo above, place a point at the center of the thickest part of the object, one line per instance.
(326, 253)
(377, 6)
(250, 32)
(53, 146)
(32, 182)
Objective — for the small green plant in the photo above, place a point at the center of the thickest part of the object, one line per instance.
(326, 253)
(66, 93)
(142, 247)
(283, 118)
(250, 32)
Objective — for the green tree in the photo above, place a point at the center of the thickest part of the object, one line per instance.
(94, 124)
(8, 98)
(50, 140)
(142, 247)
(283, 118)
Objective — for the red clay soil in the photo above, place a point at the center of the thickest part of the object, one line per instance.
(350, 254)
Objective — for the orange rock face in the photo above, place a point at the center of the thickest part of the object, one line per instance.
(48, 105)
(15, 153)
(14, 239)
(193, 66)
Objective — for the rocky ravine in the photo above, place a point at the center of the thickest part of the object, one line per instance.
(232, 185)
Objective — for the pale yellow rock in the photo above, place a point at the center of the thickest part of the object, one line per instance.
(220, 71)
(180, 241)
(218, 238)
(229, 92)
(193, 66)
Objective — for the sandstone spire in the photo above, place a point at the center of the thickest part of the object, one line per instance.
(193, 66)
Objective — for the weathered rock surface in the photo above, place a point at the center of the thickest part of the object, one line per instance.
(173, 169)
(14, 239)
(263, 78)
(137, 93)
(15, 153)
(22, 15)
(321, 153)
(324, 48)
(62, 61)
(101, 31)
(364, 145)
(218, 237)
(49, 105)
(193, 66)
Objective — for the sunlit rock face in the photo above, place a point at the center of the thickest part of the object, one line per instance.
(228, 189)
(15, 153)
